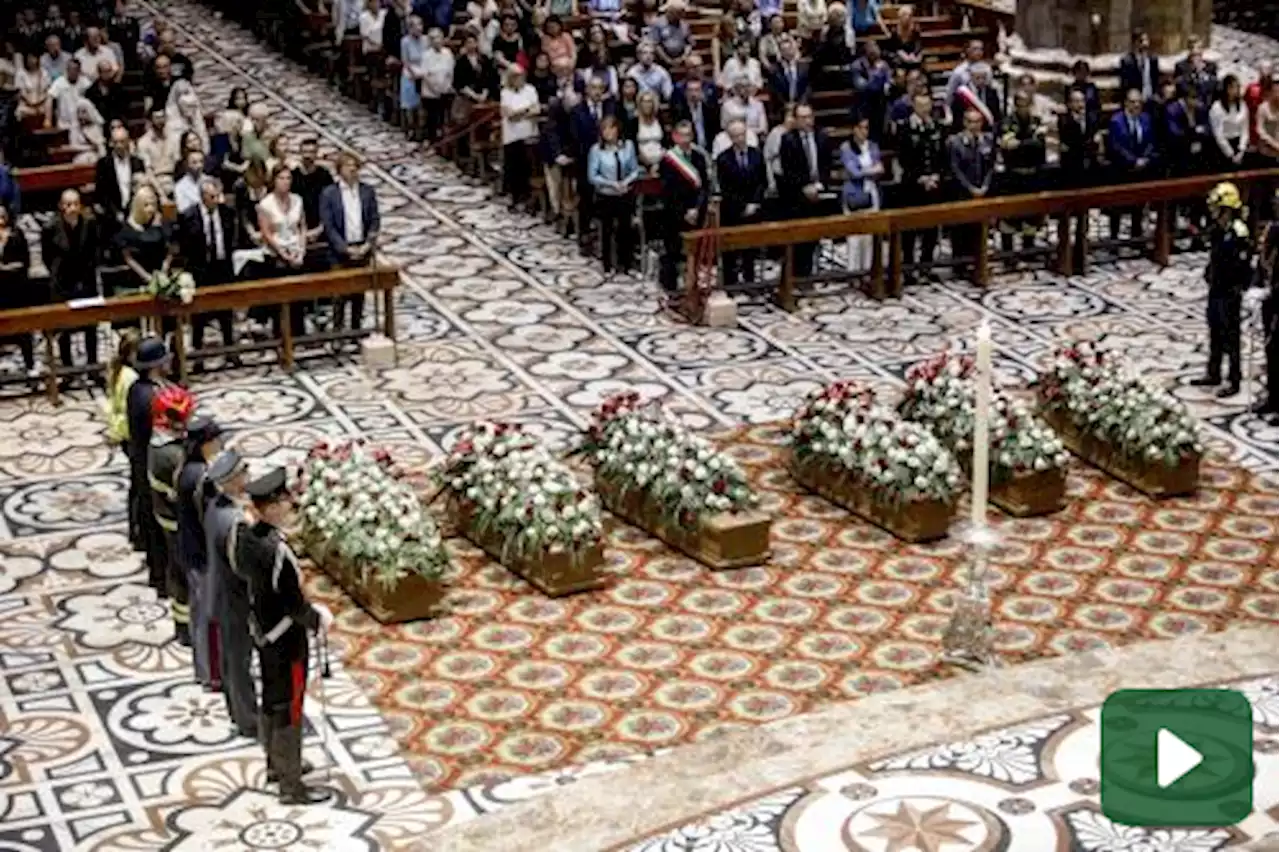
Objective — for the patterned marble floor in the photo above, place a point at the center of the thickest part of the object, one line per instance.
(1030, 787)
(103, 745)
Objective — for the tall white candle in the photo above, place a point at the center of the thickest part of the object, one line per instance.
(981, 426)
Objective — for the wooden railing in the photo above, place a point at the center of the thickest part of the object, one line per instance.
(1069, 253)
(52, 319)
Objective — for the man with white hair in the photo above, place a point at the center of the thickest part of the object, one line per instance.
(93, 54)
(979, 95)
(742, 105)
(650, 76)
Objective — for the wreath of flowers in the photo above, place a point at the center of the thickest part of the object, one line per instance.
(176, 286)
(940, 393)
(520, 492)
(644, 448)
(841, 427)
(1092, 388)
(354, 499)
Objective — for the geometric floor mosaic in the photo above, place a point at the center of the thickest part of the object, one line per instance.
(104, 746)
(508, 682)
(1029, 787)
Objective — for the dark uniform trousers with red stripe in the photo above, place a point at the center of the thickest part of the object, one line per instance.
(280, 617)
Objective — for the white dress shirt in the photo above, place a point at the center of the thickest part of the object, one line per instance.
(124, 179)
(186, 193)
(352, 216)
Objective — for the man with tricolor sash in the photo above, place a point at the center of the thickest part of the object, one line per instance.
(685, 191)
(979, 95)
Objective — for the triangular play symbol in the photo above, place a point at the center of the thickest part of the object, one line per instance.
(1174, 758)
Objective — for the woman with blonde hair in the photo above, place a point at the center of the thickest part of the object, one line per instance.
(144, 240)
(647, 131)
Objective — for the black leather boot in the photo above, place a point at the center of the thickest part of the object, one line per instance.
(286, 757)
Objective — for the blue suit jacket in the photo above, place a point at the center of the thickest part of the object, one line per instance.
(855, 196)
(10, 195)
(1124, 149)
(334, 221)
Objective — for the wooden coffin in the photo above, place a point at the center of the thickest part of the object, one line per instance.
(1039, 493)
(554, 572)
(920, 521)
(724, 540)
(413, 598)
(1155, 480)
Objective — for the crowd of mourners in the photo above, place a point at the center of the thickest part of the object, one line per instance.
(179, 185)
(604, 102)
(595, 107)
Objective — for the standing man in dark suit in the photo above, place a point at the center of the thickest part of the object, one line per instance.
(686, 182)
(113, 178)
(584, 131)
(70, 246)
(805, 153)
(979, 95)
(1079, 141)
(702, 114)
(349, 216)
(1132, 150)
(1139, 69)
(741, 173)
(788, 82)
(971, 158)
(1196, 72)
(207, 235)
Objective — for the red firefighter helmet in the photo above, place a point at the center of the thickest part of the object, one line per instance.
(172, 405)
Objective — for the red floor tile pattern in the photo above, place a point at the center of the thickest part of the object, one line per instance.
(511, 682)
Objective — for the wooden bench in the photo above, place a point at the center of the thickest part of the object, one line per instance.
(51, 319)
(41, 186)
(1070, 210)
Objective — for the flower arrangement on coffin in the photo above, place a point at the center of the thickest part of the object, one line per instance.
(657, 474)
(865, 457)
(940, 393)
(1092, 388)
(520, 503)
(355, 503)
(1119, 422)
(173, 286)
(644, 447)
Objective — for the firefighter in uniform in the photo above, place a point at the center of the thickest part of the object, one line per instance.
(151, 363)
(1267, 276)
(225, 593)
(171, 408)
(279, 619)
(1022, 148)
(204, 442)
(1227, 274)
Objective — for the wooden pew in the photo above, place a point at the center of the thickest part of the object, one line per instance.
(43, 184)
(1069, 208)
(50, 319)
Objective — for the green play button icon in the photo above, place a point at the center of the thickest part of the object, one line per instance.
(1177, 757)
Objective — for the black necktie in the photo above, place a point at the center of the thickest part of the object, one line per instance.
(742, 160)
(212, 237)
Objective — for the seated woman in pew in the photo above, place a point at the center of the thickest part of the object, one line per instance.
(87, 134)
(15, 283)
(32, 82)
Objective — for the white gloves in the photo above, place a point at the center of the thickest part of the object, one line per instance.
(326, 617)
(1253, 298)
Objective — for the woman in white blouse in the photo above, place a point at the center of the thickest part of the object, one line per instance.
(648, 132)
(1229, 121)
(437, 81)
(280, 221)
(372, 18)
(520, 109)
(32, 83)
